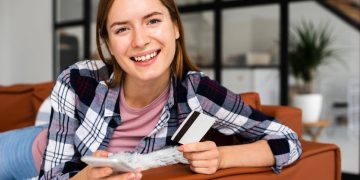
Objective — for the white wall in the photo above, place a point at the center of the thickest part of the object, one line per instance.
(333, 78)
(4, 65)
(25, 41)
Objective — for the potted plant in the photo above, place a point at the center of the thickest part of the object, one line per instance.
(309, 47)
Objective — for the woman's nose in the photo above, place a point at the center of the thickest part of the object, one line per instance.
(140, 38)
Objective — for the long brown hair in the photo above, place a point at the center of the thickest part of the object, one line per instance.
(182, 62)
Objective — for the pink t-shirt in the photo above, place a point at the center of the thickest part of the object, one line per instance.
(38, 148)
(136, 123)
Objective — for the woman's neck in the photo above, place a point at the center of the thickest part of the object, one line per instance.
(139, 94)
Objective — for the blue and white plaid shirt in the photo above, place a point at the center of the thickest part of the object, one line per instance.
(86, 112)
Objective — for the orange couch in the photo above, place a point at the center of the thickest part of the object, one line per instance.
(19, 104)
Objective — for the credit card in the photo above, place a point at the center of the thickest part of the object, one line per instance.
(194, 127)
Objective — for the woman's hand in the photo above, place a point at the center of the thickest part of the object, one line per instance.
(104, 172)
(204, 157)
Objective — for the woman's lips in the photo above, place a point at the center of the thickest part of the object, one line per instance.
(145, 57)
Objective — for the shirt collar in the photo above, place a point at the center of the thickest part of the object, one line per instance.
(113, 95)
(111, 99)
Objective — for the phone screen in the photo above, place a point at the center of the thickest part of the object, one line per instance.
(116, 164)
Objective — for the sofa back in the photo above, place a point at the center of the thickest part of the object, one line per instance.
(252, 99)
(19, 104)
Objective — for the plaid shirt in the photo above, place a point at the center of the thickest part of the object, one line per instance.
(85, 113)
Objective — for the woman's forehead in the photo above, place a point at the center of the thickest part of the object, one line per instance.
(125, 10)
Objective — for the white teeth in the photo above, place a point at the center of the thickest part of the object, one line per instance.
(145, 57)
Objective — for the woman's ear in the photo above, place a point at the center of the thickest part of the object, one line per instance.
(176, 29)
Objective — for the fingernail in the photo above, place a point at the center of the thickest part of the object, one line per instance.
(103, 153)
(180, 148)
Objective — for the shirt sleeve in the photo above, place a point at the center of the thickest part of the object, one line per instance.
(61, 161)
(235, 117)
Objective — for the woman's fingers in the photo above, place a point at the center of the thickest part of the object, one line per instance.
(101, 153)
(126, 176)
(200, 151)
(196, 147)
(107, 173)
(99, 172)
(204, 163)
(203, 155)
(210, 170)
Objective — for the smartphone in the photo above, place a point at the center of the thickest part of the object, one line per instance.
(116, 164)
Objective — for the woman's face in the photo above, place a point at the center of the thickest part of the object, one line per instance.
(142, 38)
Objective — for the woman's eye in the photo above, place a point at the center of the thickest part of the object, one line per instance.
(120, 30)
(153, 21)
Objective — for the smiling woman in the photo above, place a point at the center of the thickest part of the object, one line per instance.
(138, 26)
(137, 98)
(137, 35)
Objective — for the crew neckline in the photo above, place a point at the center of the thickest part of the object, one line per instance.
(144, 109)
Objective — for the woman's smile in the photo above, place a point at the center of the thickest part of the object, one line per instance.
(146, 58)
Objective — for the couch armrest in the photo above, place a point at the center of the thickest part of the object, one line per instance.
(318, 161)
(290, 116)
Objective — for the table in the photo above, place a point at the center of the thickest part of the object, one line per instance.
(314, 129)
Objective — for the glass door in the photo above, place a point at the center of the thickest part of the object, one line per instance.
(70, 31)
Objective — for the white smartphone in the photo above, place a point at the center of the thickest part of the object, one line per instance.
(116, 164)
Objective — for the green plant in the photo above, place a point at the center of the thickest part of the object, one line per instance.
(309, 47)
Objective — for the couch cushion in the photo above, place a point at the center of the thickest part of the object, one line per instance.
(44, 113)
(252, 99)
(16, 107)
(41, 92)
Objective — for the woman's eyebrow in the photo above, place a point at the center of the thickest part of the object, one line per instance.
(152, 14)
(117, 23)
(145, 17)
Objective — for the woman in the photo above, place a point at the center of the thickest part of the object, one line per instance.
(136, 99)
